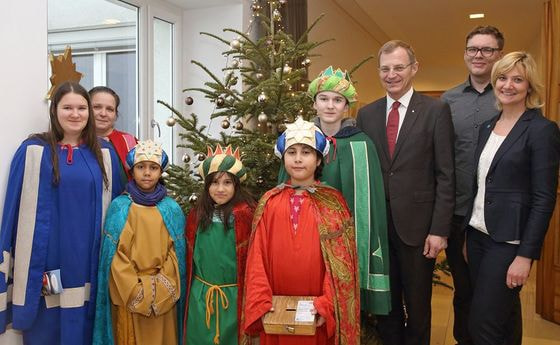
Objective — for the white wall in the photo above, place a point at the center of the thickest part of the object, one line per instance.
(23, 84)
(352, 44)
(208, 51)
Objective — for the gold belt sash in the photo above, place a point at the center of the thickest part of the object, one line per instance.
(215, 295)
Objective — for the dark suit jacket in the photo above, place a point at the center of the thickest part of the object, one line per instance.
(521, 182)
(420, 179)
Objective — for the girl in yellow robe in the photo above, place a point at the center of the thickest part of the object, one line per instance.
(141, 274)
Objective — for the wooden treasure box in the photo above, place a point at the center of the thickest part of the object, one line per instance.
(283, 319)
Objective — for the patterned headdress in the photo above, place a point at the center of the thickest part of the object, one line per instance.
(336, 81)
(220, 160)
(147, 150)
(301, 132)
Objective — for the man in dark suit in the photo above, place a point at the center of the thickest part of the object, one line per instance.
(414, 136)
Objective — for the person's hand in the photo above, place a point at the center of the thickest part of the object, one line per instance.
(433, 245)
(270, 311)
(321, 320)
(518, 272)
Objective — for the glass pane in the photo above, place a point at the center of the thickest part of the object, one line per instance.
(103, 38)
(163, 81)
(84, 64)
(121, 77)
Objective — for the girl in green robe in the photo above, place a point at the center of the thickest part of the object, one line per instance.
(218, 231)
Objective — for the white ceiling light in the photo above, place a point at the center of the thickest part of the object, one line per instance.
(476, 15)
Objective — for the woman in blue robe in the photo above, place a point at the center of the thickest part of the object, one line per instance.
(59, 186)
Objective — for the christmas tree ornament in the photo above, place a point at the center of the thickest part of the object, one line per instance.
(269, 42)
(200, 157)
(262, 97)
(269, 125)
(234, 63)
(283, 2)
(233, 81)
(220, 101)
(239, 126)
(235, 44)
(189, 100)
(276, 16)
(287, 69)
(193, 198)
(186, 158)
(259, 76)
(170, 121)
(260, 180)
(225, 124)
(262, 118)
(306, 62)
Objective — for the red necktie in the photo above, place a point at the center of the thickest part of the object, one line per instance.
(393, 127)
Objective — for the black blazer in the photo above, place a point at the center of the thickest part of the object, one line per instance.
(420, 179)
(521, 182)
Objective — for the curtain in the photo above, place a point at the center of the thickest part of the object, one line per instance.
(551, 59)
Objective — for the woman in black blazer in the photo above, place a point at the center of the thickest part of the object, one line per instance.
(515, 193)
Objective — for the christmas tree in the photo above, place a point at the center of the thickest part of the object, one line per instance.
(273, 71)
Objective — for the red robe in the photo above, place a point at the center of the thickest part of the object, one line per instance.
(318, 259)
(242, 215)
(123, 143)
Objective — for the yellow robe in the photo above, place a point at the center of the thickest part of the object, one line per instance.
(144, 282)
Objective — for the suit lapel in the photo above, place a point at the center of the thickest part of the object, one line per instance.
(518, 129)
(380, 126)
(414, 107)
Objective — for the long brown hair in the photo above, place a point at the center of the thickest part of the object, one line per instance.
(206, 207)
(55, 133)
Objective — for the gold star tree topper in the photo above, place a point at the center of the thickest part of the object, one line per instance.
(63, 69)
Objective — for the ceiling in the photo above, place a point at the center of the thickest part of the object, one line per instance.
(190, 4)
(437, 28)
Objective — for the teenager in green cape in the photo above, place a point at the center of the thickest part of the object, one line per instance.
(352, 167)
(218, 230)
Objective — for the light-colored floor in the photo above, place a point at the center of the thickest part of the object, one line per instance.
(536, 331)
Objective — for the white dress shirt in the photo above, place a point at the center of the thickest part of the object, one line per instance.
(404, 101)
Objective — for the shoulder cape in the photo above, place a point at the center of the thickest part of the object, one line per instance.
(117, 215)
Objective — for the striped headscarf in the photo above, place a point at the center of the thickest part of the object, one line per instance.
(220, 160)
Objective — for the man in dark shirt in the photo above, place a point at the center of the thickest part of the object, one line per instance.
(472, 103)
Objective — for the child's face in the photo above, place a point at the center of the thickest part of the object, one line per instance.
(146, 174)
(301, 161)
(330, 106)
(222, 188)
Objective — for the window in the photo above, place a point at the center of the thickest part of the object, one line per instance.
(103, 37)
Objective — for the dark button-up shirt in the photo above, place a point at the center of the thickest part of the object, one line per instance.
(469, 109)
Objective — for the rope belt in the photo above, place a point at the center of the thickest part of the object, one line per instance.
(211, 299)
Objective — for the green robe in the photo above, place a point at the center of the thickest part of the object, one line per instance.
(354, 169)
(214, 260)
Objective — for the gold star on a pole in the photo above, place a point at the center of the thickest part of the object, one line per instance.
(63, 69)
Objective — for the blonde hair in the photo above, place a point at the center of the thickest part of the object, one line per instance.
(525, 61)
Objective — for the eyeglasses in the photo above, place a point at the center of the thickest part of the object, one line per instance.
(396, 69)
(485, 51)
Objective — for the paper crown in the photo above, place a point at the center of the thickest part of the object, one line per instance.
(333, 80)
(147, 150)
(220, 160)
(301, 132)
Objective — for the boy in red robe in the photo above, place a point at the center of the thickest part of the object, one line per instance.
(303, 245)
